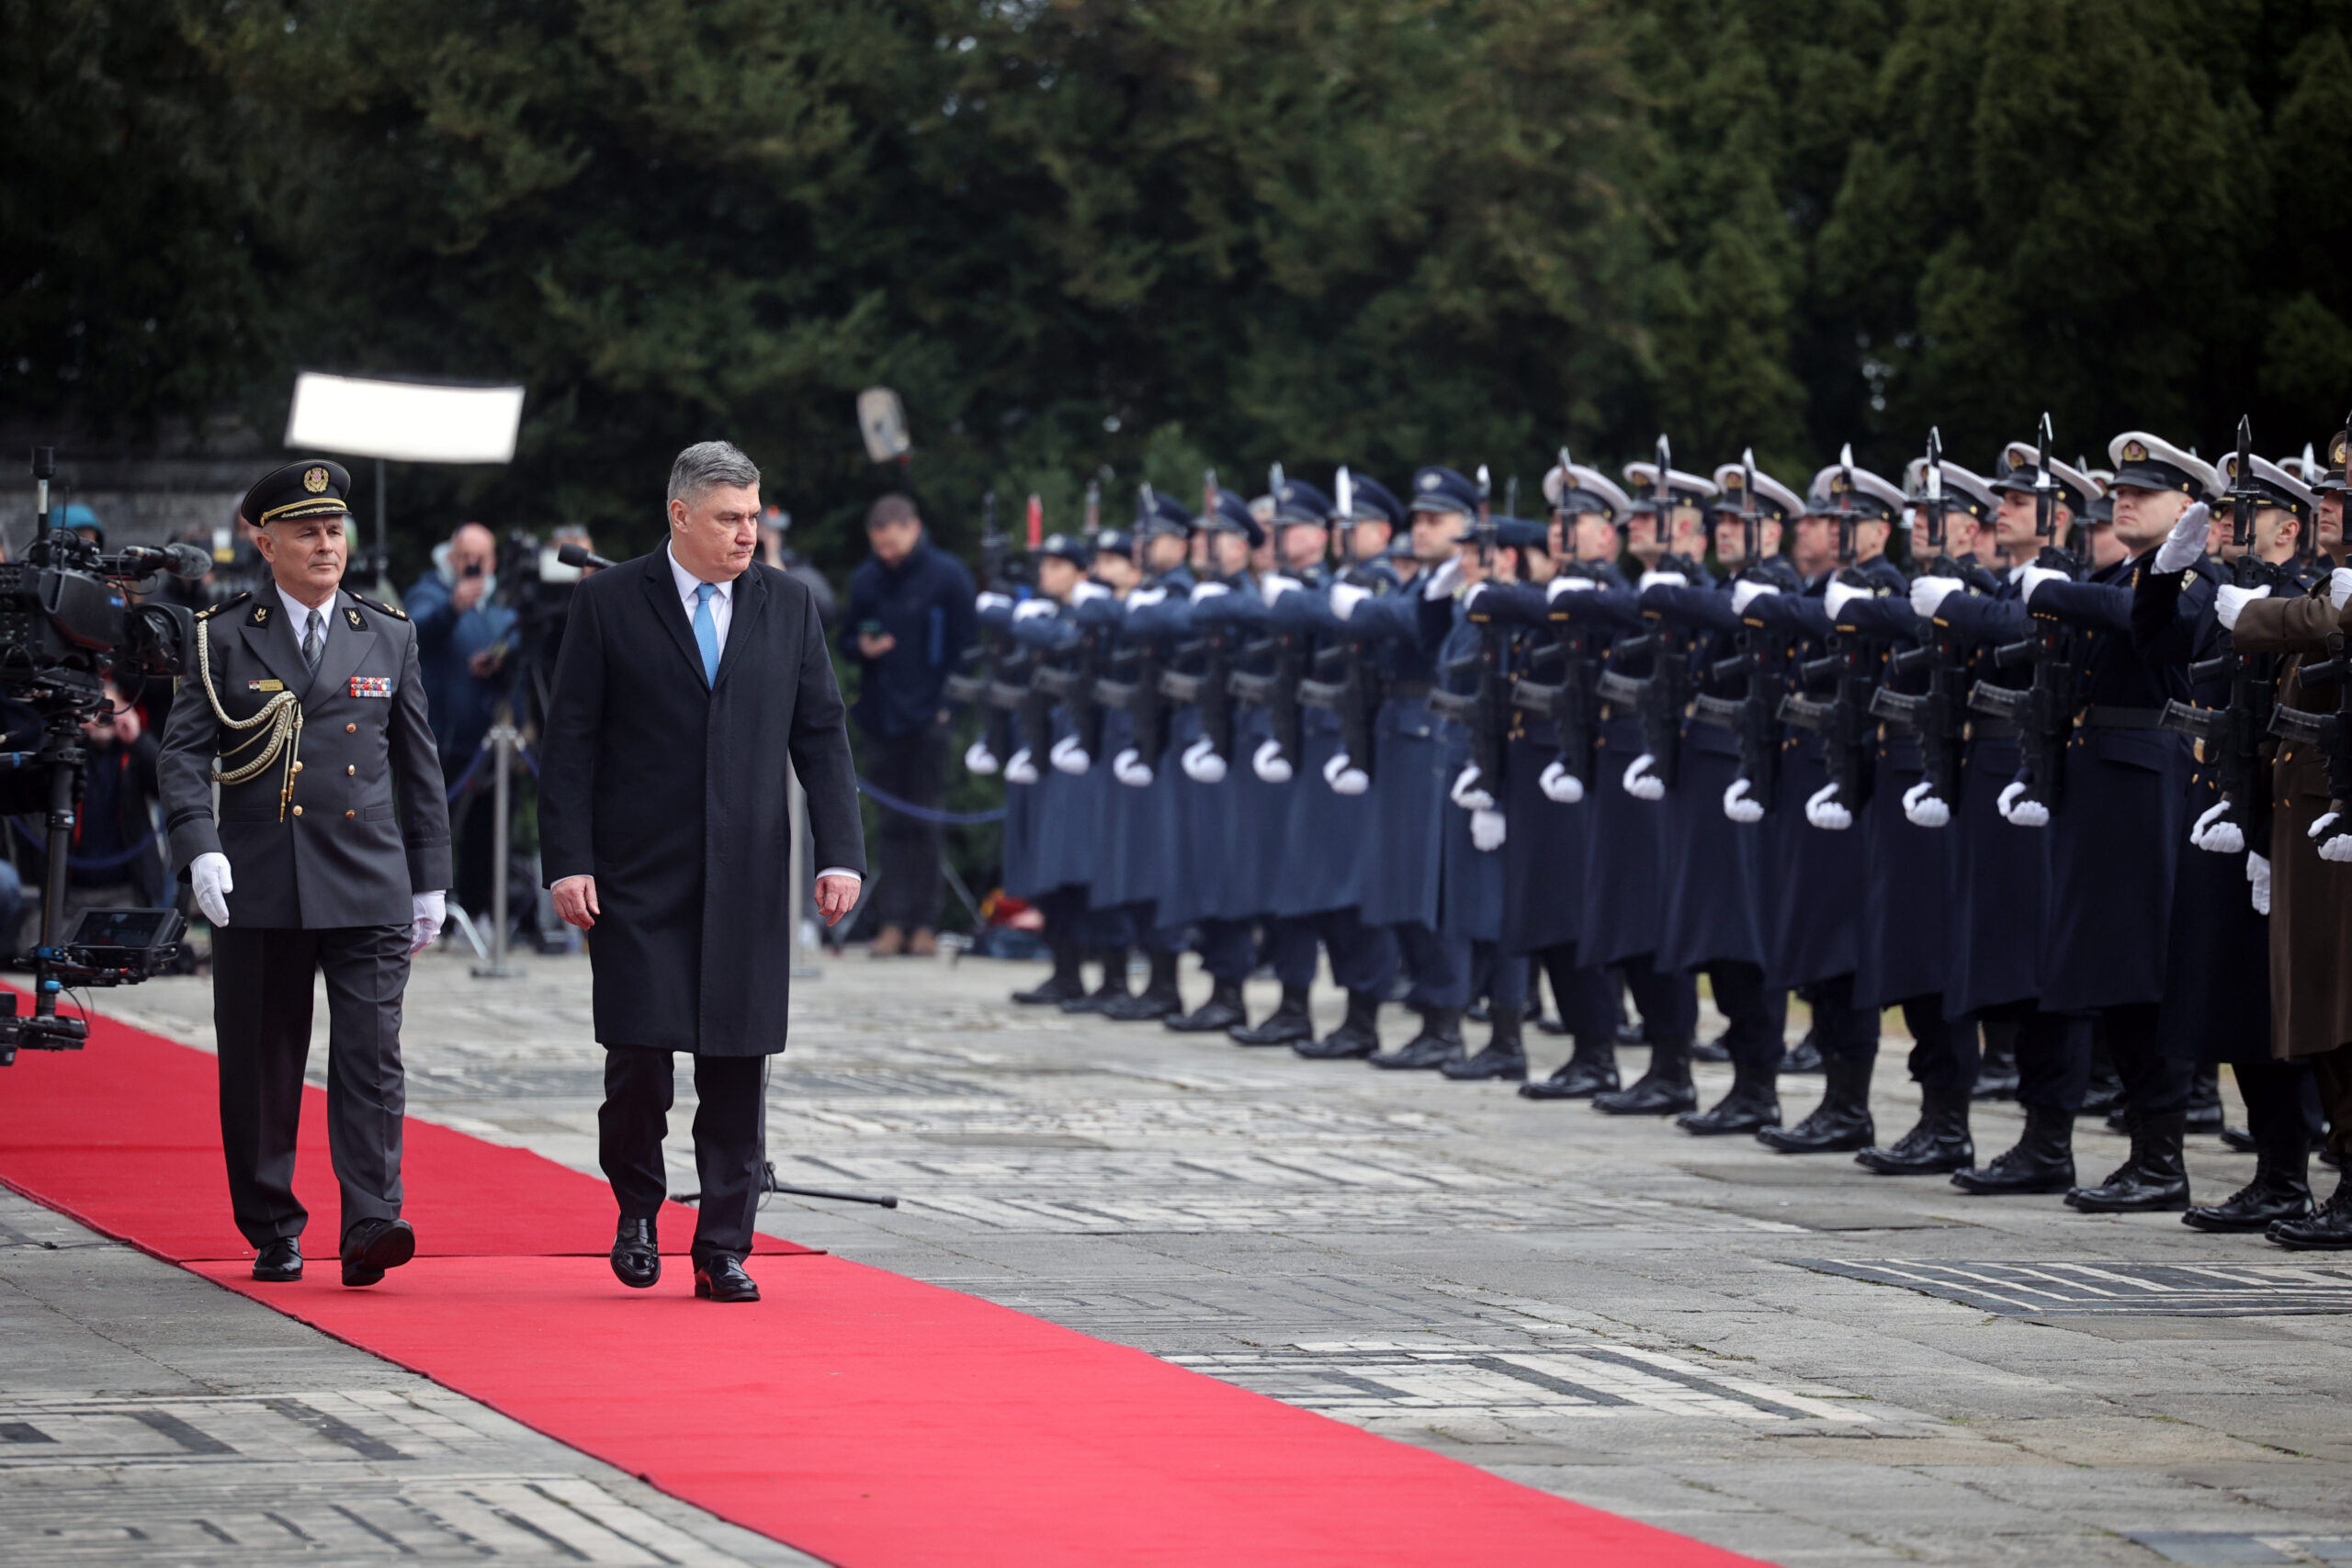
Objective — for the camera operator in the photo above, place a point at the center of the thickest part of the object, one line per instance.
(306, 704)
(464, 637)
(116, 862)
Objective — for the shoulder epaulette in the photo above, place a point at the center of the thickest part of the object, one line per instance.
(230, 603)
(381, 607)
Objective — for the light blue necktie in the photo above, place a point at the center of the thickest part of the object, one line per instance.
(707, 631)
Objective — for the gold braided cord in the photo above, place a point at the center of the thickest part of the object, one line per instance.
(282, 712)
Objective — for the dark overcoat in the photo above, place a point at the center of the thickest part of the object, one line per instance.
(672, 791)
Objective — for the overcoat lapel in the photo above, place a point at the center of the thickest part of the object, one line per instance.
(669, 610)
(750, 597)
(272, 643)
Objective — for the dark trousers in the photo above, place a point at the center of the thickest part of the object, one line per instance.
(2335, 1072)
(2155, 1082)
(1364, 958)
(1944, 1053)
(1840, 1028)
(1228, 948)
(1427, 962)
(913, 768)
(2054, 1054)
(261, 1013)
(1474, 968)
(1669, 1003)
(1757, 1014)
(730, 1139)
(2281, 1102)
(1586, 997)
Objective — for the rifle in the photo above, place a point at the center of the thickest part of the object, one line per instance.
(2331, 733)
(1075, 687)
(1139, 698)
(1355, 697)
(2044, 711)
(1210, 693)
(2232, 738)
(1754, 719)
(1939, 718)
(1486, 710)
(1658, 699)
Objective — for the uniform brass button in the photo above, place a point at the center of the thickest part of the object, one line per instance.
(351, 730)
(350, 767)
(351, 814)
(298, 811)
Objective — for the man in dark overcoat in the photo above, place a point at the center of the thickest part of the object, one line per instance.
(690, 679)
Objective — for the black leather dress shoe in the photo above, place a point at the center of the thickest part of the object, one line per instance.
(720, 1276)
(279, 1263)
(1748, 1108)
(1580, 1077)
(637, 1254)
(373, 1247)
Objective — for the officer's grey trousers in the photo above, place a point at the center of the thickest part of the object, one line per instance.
(261, 1013)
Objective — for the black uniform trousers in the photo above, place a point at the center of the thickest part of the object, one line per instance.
(730, 1139)
(261, 1013)
(1757, 1038)
(1945, 1053)
(1840, 1028)
(913, 768)
(2053, 1054)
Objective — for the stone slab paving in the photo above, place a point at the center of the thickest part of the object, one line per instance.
(1742, 1345)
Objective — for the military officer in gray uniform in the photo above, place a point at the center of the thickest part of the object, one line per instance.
(327, 852)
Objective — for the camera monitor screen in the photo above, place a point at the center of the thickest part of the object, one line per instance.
(119, 927)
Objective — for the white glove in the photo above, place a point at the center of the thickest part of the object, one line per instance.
(1129, 768)
(1030, 609)
(2333, 847)
(1486, 830)
(991, 600)
(427, 911)
(2229, 602)
(1739, 806)
(1665, 579)
(1558, 783)
(1143, 598)
(1837, 595)
(209, 875)
(1821, 809)
(1443, 580)
(2033, 576)
(1209, 590)
(1743, 594)
(1344, 777)
(1020, 768)
(2257, 872)
(2215, 836)
(1929, 593)
(2019, 813)
(1468, 790)
(1560, 585)
(2185, 545)
(1269, 763)
(1069, 756)
(980, 759)
(1345, 597)
(1642, 780)
(1201, 762)
(1924, 808)
(2339, 587)
(1470, 595)
(1275, 584)
(1087, 590)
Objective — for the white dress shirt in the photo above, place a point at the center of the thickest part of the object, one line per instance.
(722, 615)
(298, 615)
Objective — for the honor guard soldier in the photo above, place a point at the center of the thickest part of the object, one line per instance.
(328, 854)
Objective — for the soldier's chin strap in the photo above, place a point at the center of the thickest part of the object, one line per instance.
(282, 712)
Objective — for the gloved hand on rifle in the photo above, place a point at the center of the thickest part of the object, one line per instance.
(1929, 593)
(1068, 756)
(2215, 833)
(2033, 576)
(1486, 830)
(1030, 609)
(1560, 585)
(1201, 762)
(1923, 807)
(980, 759)
(2230, 602)
(1641, 779)
(1470, 791)
(1743, 594)
(2019, 812)
(1345, 597)
(1558, 783)
(2185, 545)
(1443, 580)
(1740, 805)
(1344, 777)
(2333, 840)
(1663, 580)
(1129, 768)
(1823, 810)
(2340, 588)
(1020, 768)
(1837, 595)
(2257, 872)
(1269, 763)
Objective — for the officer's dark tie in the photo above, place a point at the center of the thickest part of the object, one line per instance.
(314, 638)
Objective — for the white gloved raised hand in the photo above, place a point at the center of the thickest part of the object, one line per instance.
(1031, 609)
(2230, 602)
(1344, 777)
(208, 875)
(1558, 783)
(1129, 768)
(1443, 580)
(1560, 585)
(1929, 593)
(1069, 756)
(1209, 591)
(1740, 805)
(427, 911)
(1275, 584)
(2033, 578)
(1743, 594)
(1020, 768)
(2257, 872)
(991, 600)
(1823, 811)
(1088, 591)
(1663, 580)
(1269, 763)
(1201, 762)
(1923, 807)
(1641, 779)
(1469, 791)
(1345, 597)
(2018, 812)
(1837, 595)
(978, 758)
(2185, 545)
(2339, 587)
(2214, 834)
(2335, 842)
(1486, 830)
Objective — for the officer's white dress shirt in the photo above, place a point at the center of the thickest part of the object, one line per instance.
(299, 615)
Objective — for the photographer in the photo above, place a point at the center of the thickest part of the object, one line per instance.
(463, 635)
(116, 862)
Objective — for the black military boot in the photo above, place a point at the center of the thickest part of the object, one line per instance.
(1214, 1016)
(1754, 1102)
(1505, 1056)
(2326, 1229)
(1805, 1056)
(1664, 1091)
(1065, 984)
(1113, 989)
(2240, 1141)
(2106, 1092)
(1159, 998)
(1937, 1144)
(1358, 1034)
(2152, 1179)
(1996, 1077)
(1841, 1123)
(2042, 1161)
(1710, 1051)
(2205, 1100)
(1439, 1041)
(2280, 1190)
(1287, 1025)
(1590, 1069)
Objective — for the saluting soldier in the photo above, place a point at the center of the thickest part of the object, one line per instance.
(329, 855)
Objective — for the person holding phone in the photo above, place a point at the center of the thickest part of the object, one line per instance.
(463, 634)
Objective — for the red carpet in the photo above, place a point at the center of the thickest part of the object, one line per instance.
(869, 1419)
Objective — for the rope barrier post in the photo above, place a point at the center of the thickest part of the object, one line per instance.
(796, 802)
(503, 736)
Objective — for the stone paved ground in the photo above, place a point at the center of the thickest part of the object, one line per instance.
(1610, 1311)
